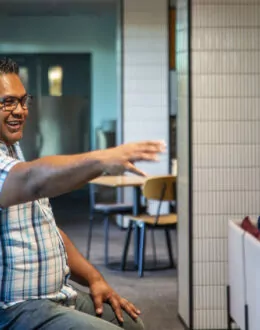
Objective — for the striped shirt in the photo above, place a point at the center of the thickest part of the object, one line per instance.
(33, 260)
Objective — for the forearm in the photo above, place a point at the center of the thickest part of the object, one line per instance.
(81, 270)
(55, 175)
(51, 176)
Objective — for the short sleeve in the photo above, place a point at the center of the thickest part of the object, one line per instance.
(6, 164)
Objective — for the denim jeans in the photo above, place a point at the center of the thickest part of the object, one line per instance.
(46, 314)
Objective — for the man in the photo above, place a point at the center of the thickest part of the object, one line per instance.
(36, 258)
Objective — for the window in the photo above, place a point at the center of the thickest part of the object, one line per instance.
(55, 75)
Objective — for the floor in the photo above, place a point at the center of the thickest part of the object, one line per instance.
(155, 294)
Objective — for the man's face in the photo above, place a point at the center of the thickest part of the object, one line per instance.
(11, 122)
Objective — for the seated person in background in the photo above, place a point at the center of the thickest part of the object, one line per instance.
(36, 257)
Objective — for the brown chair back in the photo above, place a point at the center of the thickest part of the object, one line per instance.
(161, 188)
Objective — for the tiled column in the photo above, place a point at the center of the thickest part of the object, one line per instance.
(225, 143)
(145, 65)
(146, 77)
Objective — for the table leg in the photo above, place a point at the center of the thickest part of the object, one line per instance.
(136, 200)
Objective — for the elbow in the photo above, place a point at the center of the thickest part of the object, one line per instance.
(34, 183)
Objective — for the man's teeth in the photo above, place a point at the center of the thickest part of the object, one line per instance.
(13, 122)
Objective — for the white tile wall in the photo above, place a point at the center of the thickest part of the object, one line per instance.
(146, 110)
(226, 141)
(145, 70)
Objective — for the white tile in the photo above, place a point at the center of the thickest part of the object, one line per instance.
(138, 18)
(225, 179)
(145, 46)
(236, 132)
(215, 15)
(209, 274)
(225, 39)
(226, 156)
(211, 225)
(146, 31)
(221, 109)
(210, 250)
(147, 100)
(145, 6)
(141, 58)
(145, 73)
(206, 319)
(226, 203)
(226, 86)
(154, 113)
(146, 87)
(210, 297)
(211, 62)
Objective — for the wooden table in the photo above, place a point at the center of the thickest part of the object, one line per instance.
(122, 181)
(119, 181)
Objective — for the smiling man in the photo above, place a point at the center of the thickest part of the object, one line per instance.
(37, 258)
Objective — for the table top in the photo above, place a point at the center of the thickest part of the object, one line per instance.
(119, 181)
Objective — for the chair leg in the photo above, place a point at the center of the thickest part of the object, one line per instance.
(106, 230)
(154, 247)
(169, 247)
(136, 244)
(126, 246)
(142, 250)
(91, 219)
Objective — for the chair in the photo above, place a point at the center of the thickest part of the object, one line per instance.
(157, 189)
(106, 210)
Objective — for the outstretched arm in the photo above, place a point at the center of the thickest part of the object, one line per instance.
(55, 175)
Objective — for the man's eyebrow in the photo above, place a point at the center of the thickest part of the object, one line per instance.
(6, 96)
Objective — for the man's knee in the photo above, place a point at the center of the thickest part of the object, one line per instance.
(139, 324)
(65, 318)
(130, 324)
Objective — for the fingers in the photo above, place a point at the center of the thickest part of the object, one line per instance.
(98, 303)
(145, 156)
(130, 308)
(153, 146)
(114, 301)
(132, 169)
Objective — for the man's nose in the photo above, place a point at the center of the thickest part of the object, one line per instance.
(18, 111)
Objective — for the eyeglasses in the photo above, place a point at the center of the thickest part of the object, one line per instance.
(10, 103)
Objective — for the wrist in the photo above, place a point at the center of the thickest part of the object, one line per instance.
(100, 158)
(94, 279)
(107, 162)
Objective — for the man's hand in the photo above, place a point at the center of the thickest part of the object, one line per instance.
(122, 158)
(101, 292)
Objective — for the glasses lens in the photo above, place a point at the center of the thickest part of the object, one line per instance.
(10, 104)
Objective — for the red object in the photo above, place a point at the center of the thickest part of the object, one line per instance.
(248, 226)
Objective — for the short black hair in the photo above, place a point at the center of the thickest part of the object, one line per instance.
(7, 65)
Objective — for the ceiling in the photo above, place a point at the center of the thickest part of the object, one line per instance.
(54, 7)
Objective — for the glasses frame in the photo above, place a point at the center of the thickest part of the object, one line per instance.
(23, 101)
